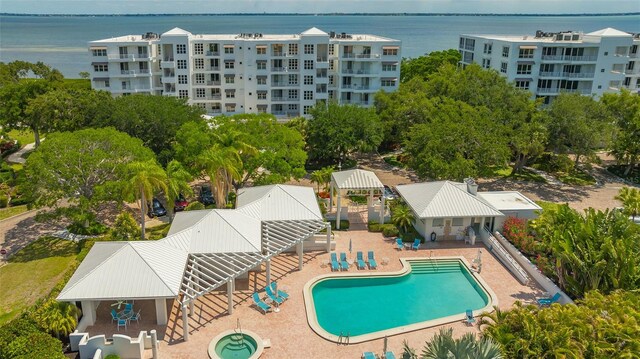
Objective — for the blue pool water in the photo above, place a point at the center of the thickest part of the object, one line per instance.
(365, 305)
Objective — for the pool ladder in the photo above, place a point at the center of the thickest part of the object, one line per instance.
(239, 330)
(343, 339)
(434, 262)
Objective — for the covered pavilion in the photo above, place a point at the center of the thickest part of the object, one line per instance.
(356, 180)
(203, 251)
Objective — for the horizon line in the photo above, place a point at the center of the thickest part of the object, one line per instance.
(328, 14)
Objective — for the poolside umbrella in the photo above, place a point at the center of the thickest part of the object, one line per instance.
(384, 349)
(350, 246)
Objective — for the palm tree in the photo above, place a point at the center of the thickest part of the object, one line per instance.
(143, 179)
(444, 346)
(317, 177)
(223, 166)
(630, 198)
(178, 179)
(402, 217)
(58, 317)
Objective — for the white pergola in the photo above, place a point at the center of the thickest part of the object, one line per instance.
(203, 251)
(355, 180)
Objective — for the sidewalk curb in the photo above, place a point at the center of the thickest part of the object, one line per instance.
(17, 215)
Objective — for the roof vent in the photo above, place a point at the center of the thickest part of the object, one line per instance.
(472, 186)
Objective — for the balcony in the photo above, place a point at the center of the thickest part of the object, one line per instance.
(558, 90)
(284, 99)
(212, 68)
(213, 53)
(135, 73)
(356, 72)
(278, 54)
(168, 64)
(282, 84)
(569, 58)
(213, 83)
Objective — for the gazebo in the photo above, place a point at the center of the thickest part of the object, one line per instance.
(203, 251)
(355, 180)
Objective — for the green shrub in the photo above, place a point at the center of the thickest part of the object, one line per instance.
(125, 228)
(194, 206)
(4, 201)
(94, 229)
(112, 356)
(374, 226)
(344, 225)
(551, 162)
(19, 201)
(389, 230)
(22, 338)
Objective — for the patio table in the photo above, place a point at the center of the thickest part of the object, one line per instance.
(385, 261)
(270, 301)
(126, 315)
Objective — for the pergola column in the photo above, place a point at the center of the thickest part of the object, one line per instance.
(382, 208)
(330, 197)
(230, 285)
(268, 274)
(89, 311)
(185, 323)
(338, 211)
(300, 250)
(328, 229)
(161, 311)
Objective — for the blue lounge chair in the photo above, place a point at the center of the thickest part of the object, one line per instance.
(335, 266)
(260, 304)
(399, 243)
(128, 308)
(469, 317)
(360, 260)
(548, 301)
(281, 293)
(273, 296)
(114, 315)
(416, 244)
(122, 323)
(343, 261)
(369, 355)
(389, 355)
(372, 261)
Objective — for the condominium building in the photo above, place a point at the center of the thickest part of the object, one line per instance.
(549, 63)
(284, 75)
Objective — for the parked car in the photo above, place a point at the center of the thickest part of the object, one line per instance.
(388, 194)
(180, 203)
(205, 197)
(156, 209)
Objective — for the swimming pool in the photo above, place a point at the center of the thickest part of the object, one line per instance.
(371, 305)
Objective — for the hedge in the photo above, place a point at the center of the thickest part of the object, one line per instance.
(344, 225)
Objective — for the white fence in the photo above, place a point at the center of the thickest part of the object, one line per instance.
(98, 347)
(496, 248)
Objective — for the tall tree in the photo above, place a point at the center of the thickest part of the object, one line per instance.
(625, 109)
(423, 66)
(142, 180)
(223, 166)
(58, 317)
(178, 179)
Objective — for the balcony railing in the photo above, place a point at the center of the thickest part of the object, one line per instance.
(322, 59)
(558, 90)
(282, 84)
(278, 53)
(213, 53)
(135, 72)
(213, 83)
(283, 99)
(569, 58)
(356, 72)
(212, 68)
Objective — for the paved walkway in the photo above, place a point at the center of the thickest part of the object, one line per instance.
(16, 157)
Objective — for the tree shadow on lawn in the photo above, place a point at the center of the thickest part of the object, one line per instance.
(28, 231)
(543, 191)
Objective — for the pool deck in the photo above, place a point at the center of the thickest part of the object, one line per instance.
(288, 330)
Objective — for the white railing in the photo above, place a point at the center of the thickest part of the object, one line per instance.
(496, 248)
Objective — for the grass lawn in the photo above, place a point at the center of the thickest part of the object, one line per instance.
(12, 211)
(577, 178)
(157, 232)
(25, 137)
(32, 273)
(393, 160)
(523, 175)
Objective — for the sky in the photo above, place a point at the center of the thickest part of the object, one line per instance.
(316, 6)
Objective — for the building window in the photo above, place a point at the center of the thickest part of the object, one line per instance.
(307, 109)
(488, 48)
(389, 51)
(198, 63)
(230, 93)
(261, 50)
(229, 79)
(437, 222)
(181, 64)
(293, 79)
(486, 63)
(388, 82)
(293, 107)
(229, 65)
(261, 80)
(228, 49)
(200, 79)
(525, 53)
(293, 49)
(200, 93)
(261, 65)
(331, 65)
(181, 49)
(621, 51)
(614, 84)
(309, 49)
(262, 95)
(308, 64)
(308, 80)
(293, 94)
(308, 95)
(524, 69)
(183, 93)
(106, 83)
(182, 79)
(331, 50)
(198, 49)
(457, 222)
(389, 67)
(505, 51)
(521, 84)
(503, 67)
(293, 64)
(99, 52)
(101, 68)
(230, 107)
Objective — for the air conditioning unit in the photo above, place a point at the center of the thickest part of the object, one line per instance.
(377, 56)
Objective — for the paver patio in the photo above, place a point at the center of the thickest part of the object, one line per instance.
(288, 331)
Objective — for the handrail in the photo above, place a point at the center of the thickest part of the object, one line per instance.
(504, 256)
(347, 341)
(340, 338)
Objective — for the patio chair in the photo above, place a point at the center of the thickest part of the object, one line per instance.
(335, 266)
(273, 295)
(122, 323)
(136, 317)
(416, 244)
(371, 261)
(468, 317)
(360, 260)
(114, 315)
(260, 304)
(343, 261)
(545, 302)
(389, 355)
(281, 293)
(399, 243)
(128, 308)
(369, 355)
